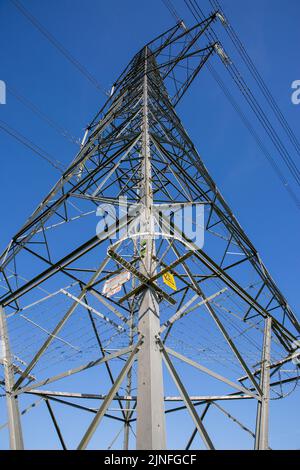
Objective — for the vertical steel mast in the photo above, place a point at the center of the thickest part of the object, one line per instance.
(150, 403)
(262, 422)
(13, 414)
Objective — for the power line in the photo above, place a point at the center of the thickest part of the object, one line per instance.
(61, 130)
(260, 114)
(255, 106)
(169, 5)
(254, 134)
(35, 148)
(82, 69)
(246, 122)
(244, 119)
(258, 78)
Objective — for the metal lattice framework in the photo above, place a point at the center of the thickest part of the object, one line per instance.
(224, 330)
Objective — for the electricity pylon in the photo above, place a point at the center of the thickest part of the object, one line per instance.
(137, 281)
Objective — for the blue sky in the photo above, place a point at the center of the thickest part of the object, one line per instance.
(103, 36)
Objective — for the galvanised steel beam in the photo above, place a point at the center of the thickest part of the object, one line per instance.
(279, 329)
(95, 396)
(14, 422)
(55, 424)
(99, 415)
(262, 421)
(194, 433)
(185, 396)
(76, 370)
(211, 373)
(150, 430)
(66, 261)
(58, 327)
(220, 324)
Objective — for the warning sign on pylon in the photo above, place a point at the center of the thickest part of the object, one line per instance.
(169, 279)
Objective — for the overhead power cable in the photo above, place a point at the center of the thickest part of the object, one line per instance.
(247, 123)
(242, 116)
(254, 134)
(257, 76)
(82, 69)
(260, 114)
(169, 5)
(62, 131)
(35, 148)
(253, 103)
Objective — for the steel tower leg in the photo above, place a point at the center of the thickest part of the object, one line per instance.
(150, 403)
(262, 421)
(128, 391)
(13, 414)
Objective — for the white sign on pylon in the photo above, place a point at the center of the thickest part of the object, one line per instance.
(113, 285)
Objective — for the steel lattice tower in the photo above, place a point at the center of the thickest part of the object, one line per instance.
(137, 159)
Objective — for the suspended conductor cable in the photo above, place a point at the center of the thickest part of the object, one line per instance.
(82, 69)
(169, 5)
(62, 131)
(27, 143)
(254, 134)
(253, 103)
(247, 122)
(258, 78)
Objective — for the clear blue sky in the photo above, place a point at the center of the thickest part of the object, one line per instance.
(103, 36)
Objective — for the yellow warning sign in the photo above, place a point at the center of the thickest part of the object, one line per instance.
(169, 279)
